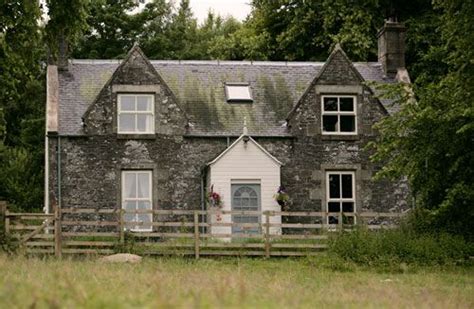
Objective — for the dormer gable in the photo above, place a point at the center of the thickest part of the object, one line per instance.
(135, 102)
(334, 104)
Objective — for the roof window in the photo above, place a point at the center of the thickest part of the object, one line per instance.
(238, 92)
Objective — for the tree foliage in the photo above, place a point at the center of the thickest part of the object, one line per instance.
(21, 103)
(431, 139)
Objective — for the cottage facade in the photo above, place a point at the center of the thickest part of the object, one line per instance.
(150, 134)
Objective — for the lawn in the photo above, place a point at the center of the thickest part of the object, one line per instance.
(209, 283)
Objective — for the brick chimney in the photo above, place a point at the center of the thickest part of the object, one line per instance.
(391, 46)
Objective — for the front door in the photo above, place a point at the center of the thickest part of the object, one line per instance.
(246, 197)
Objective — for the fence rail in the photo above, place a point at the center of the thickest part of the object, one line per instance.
(181, 232)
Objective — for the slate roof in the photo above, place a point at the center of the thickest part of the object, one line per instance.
(199, 87)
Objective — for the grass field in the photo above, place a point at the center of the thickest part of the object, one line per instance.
(209, 283)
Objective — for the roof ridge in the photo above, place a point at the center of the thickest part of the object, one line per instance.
(201, 62)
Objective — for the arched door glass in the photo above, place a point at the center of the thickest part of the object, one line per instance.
(246, 197)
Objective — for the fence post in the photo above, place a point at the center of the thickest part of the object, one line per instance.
(57, 233)
(196, 234)
(339, 222)
(267, 234)
(3, 214)
(122, 227)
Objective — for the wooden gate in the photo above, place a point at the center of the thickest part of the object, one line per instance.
(34, 232)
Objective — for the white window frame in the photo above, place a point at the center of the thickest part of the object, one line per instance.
(137, 199)
(340, 199)
(248, 99)
(136, 113)
(338, 113)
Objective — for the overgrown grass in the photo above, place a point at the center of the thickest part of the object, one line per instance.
(401, 246)
(218, 283)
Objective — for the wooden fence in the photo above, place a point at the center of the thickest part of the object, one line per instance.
(180, 232)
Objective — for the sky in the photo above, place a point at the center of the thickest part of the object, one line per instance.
(237, 8)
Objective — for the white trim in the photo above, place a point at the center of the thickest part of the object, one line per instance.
(246, 181)
(248, 98)
(136, 113)
(149, 199)
(236, 142)
(341, 199)
(338, 113)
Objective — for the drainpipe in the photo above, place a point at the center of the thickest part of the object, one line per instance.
(46, 175)
(59, 172)
(203, 193)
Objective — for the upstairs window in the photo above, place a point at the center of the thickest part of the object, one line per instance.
(238, 92)
(340, 193)
(339, 114)
(136, 114)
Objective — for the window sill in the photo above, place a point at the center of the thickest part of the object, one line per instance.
(136, 136)
(340, 137)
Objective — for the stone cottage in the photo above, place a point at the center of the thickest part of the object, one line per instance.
(152, 134)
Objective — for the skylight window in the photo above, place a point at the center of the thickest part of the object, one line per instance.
(238, 92)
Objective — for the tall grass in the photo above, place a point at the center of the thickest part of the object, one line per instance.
(222, 283)
(402, 245)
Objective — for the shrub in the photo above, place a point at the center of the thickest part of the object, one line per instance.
(401, 246)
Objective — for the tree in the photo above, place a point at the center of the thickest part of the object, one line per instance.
(67, 21)
(21, 103)
(114, 26)
(430, 140)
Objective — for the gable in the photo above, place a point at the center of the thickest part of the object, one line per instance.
(135, 75)
(340, 76)
(339, 70)
(245, 149)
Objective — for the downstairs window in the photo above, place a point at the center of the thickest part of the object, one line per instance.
(137, 196)
(340, 193)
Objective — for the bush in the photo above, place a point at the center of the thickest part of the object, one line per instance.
(401, 246)
(6, 242)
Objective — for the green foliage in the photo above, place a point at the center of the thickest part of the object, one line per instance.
(430, 139)
(21, 179)
(391, 249)
(67, 21)
(22, 97)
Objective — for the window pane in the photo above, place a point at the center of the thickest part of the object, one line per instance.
(347, 123)
(144, 103)
(127, 103)
(348, 220)
(144, 123)
(130, 185)
(126, 123)
(346, 186)
(334, 207)
(128, 218)
(332, 220)
(143, 185)
(330, 104)
(238, 92)
(334, 188)
(329, 123)
(130, 205)
(144, 205)
(346, 104)
(348, 207)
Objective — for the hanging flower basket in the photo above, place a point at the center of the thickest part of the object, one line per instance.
(282, 198)
(214, 201)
